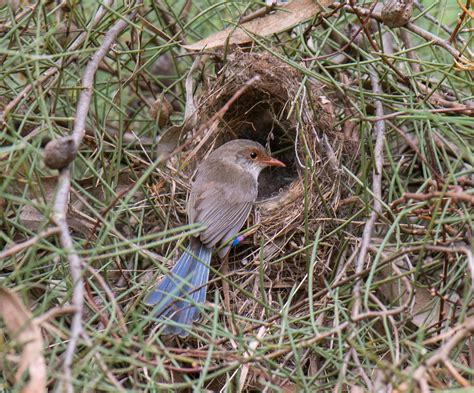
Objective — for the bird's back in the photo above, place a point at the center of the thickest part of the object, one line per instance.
(221, 198)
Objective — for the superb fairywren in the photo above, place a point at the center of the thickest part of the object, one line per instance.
(221, 198)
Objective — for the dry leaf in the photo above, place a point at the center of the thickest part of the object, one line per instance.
(23, 329)
(284, 18)
(252, 347)
(425, 308)
(32, 219)
(168, 141)
(161, 111)
(44, 191)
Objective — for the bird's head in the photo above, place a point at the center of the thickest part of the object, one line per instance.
(251, 155)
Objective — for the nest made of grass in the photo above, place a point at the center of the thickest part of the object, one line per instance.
(295, 120)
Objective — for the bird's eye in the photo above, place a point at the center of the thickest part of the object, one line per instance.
(253, 155)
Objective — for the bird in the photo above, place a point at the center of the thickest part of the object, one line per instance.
(221, 198)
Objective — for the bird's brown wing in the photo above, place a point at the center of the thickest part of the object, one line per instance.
(221, 199)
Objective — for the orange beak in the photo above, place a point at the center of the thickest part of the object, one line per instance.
(270, 161)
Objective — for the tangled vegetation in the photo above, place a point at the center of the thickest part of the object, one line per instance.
(356, 272)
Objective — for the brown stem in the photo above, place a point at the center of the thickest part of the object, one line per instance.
(60, 205)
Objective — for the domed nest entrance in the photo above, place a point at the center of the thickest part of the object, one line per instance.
(256, 115)
(295, 121)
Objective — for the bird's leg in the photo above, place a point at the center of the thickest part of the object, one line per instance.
(238, 239)
(226, 290)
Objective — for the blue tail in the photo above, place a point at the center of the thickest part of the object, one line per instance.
(176, 295)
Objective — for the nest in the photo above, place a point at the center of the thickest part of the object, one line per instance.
(296, 122)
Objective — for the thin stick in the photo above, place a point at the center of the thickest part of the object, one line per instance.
(379, 128)
(435, 21)
(60, 206)
(376, 14)
(53, 313)
(17, 247)
(218, 115)
(58, 66)
(442, 354)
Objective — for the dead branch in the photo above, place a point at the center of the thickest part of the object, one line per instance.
(53, 313)
(459, 58)
(59, 64)
(16, 248)
(379, 128)
(376, 14)
(463, 331)
(60, 206)
(436, 22)
(456, 196)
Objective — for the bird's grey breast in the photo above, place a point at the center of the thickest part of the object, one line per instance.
(226, 180)
(220, 188)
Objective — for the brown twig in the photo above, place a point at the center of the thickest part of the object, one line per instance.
(441, 355)
(257, 13)
(433, 39)
(379, 131)
(435, 21)
(376, 14)
(218, 115)
(17, 247)
(53, 313)
(457, 196)
(454, 33)
(58, 66)
(60, 206)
